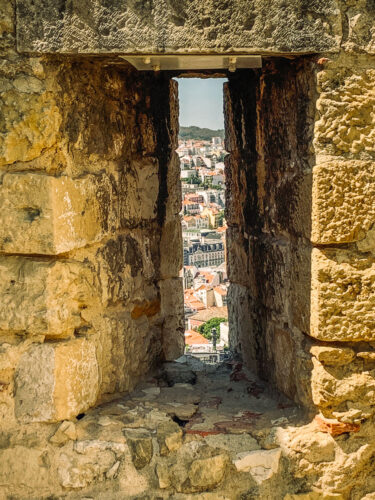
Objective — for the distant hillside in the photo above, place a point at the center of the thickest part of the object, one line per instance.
(201, 134)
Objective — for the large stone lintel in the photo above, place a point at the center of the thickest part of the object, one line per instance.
(167, 27)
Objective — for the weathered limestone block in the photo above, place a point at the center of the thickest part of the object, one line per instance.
(139, 185)
(299, 299)
(347, 121)
(360, 16)
(66, 431)
(141, 447)
(177, 26)
(90, 462)
(206, 473)
(128, 267)
(333, 356)
(23, 466)
(43, 297)
(243, 325)
(343, 206)
(48, 215)
(172, 310)
(272, 267)
(344, 392)
(7, 27)
(195, 467)
(262, 464)
(314, 495)
(283, 350)
(174, 200)
(169, 436)
(315, 447)
(30, 120)
(342, 296)
(56, 381)
(127, 348)
(171, 258)
(239, 252)
(11, 350)
(171, 293)
(288, 363)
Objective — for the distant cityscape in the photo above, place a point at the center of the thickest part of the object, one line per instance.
(203, 229)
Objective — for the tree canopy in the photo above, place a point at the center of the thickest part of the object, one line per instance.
(200, 134)
(206, 328)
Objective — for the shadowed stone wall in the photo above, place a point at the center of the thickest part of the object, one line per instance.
(300, 213)
(90, 294)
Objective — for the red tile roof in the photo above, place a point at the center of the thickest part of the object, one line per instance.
(192, 337)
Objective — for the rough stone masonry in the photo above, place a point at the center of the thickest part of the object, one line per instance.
(90, 234)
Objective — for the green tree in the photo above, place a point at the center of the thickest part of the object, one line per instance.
(193, 180)
(221, 218)
(201, 134)
(206, 328)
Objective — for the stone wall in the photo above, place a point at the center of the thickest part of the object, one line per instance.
(90, 196)
(89, 228)
(300, 244)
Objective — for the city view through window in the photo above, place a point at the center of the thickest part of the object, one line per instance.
(201, 152)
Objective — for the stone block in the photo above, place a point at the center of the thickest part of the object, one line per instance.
(333, 356)
(342, 296)
(66, 431)
(239, 253)
(316, 447)
(43, 297)
(206, 473)
(347, 123)
(262, 464)
(172, 310)
(174, 199)
(232, 443)
(30, 121)
(360, 20)
(139, 185)
(283, 349)
(11, 350)
(51, 215)
(127, 267)
(343, 206)
(171, 258)
(177, 26)
(299, 300)
(56, 381)
(288, 362)
(91, 461)
(344, 392)
(169, 436)
(23, 466)
(127, 349)
(243, 326)
(140, 445)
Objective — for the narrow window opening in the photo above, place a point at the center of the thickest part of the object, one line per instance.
(202, 153)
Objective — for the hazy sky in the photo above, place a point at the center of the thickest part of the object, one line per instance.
(201, 102)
